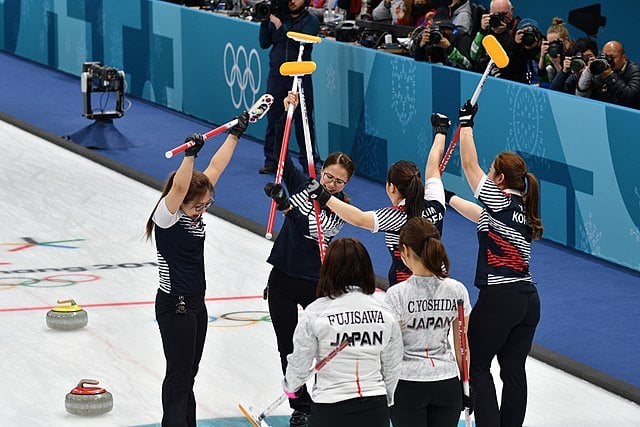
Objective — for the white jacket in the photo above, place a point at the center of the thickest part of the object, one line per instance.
(369, 366)
(426, 308)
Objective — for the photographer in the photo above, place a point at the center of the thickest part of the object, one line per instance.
(524, 53)
(499, 22)
(611, 77)
(582, 52)
(291, 16)
(552, 52)
(443, 43)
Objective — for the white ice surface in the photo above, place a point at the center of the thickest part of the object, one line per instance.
(50, 194)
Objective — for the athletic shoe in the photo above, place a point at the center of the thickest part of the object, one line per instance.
(299, 419)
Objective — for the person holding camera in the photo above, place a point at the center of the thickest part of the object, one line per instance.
(612, 77)
(552, 52)
(582, 51)
(442, 43)
(524, 53)
(500, 23)
(291, 16)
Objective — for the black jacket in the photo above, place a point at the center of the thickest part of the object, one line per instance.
(620, 87)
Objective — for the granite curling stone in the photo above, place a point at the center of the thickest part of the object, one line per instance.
(83, 400)
(67, 316)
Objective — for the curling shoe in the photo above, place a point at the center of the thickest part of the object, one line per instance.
(299, 419)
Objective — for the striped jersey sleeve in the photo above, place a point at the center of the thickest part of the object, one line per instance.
(330, 222)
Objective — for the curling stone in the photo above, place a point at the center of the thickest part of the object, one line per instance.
(67, 316)
(84, 400)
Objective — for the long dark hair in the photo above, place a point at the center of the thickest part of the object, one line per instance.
(517, 177)
(423, 238)
(343, 160)
(405, 175)
(346, 263)
(198, 187)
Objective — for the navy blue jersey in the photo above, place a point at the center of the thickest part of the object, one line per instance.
(180, 246)
(504, 236)
(296, 251)
(391, 219)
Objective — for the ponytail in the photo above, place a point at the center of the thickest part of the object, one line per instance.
(531, 204)
(405, 175)
(517, 177)
(423, 238)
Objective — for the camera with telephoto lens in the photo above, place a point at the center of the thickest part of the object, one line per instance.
(263, 9)
(556, 48)
(601, 63)
(435, 35)
(496, 19)
(530, 36)
(103, 78)
(578, 62)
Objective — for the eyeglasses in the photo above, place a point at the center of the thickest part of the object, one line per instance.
(202, 206)
(339, 182)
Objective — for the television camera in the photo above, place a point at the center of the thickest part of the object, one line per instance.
(100, 78)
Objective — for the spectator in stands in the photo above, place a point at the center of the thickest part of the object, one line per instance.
(317, 7)
(524, 54)
(500, 23)
(443, 43)
(582, 52)
(412, 13)
(460, 13)
(273, 33)
(552, 52)
(612, 77)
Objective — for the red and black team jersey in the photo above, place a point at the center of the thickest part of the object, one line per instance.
(503, 235)
(392, 218)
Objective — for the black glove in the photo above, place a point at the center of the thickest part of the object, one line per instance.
(468, 401)
(243, 122)
(277, 193)
(194, 149)
(466, 114)
(318, 192)
(448, 195)
(440, 123)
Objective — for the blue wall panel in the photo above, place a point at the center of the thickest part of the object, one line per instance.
(371, 104)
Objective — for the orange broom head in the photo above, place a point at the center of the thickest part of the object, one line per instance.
(297, 68)
(303, 38)
(495, 51)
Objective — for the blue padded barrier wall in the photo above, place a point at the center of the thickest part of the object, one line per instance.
(369, 103)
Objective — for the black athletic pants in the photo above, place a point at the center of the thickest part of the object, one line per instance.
(362, 411)
(502, 323)
(285, 293)
(427, 403)
(183, 338)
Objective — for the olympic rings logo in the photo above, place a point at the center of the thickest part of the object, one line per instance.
(53, 281)
(236, 319)
(240, 75)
